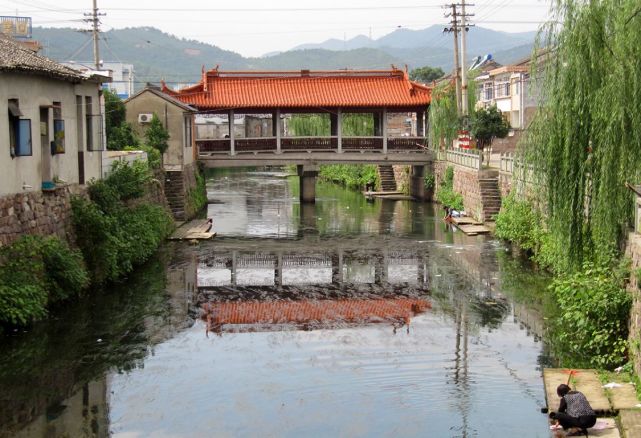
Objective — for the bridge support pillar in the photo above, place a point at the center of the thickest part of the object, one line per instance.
(335, 128)
(307, 176)
(420, 123)
(417, 183)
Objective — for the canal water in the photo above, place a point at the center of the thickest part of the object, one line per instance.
(347, 318)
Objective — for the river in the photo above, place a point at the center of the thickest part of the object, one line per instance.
(346, 318)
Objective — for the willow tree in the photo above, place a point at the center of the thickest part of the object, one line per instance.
(443, 118)
(585, 142)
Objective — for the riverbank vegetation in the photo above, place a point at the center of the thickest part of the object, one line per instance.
(445, 193)
(197, 196)
(353, 176)
(579, 152)
(35, 273)
(116, 229)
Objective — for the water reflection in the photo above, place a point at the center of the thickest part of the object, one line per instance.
(54, 378)
(308, 314)
(308, 303)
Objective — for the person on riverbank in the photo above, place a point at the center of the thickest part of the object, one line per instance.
(574, 411)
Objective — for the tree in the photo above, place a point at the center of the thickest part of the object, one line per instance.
(488, 124)
(426, 74)
(120, 134)
(156, 135)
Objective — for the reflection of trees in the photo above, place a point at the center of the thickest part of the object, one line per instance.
(110, 329)
(490, 312)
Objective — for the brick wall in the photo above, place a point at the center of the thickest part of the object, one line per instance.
(43, 213)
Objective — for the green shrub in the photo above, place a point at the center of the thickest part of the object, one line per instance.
(519, 222)
(36, 271)
(197, 197)
(154, 159)
(128, 180)
(429, 181)
(446, 194)
(352, 176)
(113, 236)
(66, 275)
(592, 327)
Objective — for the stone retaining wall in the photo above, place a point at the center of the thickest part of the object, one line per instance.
(466, 182)
(402, 177)
(43, 213)
(505, 183)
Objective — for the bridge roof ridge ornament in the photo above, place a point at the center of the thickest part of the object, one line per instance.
(302, 89)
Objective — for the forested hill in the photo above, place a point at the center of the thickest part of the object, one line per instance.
(157, 55)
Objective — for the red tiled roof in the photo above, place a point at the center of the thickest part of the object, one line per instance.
(304, 89)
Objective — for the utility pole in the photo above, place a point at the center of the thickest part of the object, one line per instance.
(464, 28)
(454, 27)
(95, 31)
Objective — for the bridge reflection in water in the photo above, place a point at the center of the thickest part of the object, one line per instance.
(338, 267)
(244, 290)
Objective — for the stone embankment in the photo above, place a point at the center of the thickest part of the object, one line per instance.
(37, 212)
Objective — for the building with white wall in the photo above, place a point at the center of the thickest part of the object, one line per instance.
(122, 75)
(51, 128)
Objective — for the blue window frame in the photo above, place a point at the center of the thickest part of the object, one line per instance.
(23, 138)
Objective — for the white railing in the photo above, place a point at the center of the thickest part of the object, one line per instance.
(470, 158)
(506, 164)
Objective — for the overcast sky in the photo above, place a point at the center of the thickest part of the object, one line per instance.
(253, 27)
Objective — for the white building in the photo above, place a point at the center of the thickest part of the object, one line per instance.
(122, 75)
(50, 122)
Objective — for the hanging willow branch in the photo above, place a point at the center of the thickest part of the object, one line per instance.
(585, 142)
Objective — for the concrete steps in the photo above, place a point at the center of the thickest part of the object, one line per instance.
(175, 193)
(490, 197)
(386, 176)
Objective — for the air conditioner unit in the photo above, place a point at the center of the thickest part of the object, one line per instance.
(145, 118)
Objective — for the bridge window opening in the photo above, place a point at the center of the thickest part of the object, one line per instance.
(362, 125)
(257, 126)
(401, 124)
(308, 125)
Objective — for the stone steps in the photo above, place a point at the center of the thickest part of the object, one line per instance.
(387, 179)
(490, 197)
(175, 193)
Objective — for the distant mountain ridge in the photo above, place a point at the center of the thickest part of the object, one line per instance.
(479, 39)
(157, 55)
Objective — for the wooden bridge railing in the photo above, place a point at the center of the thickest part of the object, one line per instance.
(327, 143)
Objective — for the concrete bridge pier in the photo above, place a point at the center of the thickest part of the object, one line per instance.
(307, 175)
(417, 182)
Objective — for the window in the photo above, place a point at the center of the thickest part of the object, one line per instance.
(502, 89)
(188, 133)
(58, 129)
(19, 131)
(89, 123)
(488, 89)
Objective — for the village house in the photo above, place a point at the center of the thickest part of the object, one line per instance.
(506, 88)
(51, 140)
(179, 160)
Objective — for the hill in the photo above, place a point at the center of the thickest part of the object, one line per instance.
(480, 40)
(158, 55)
